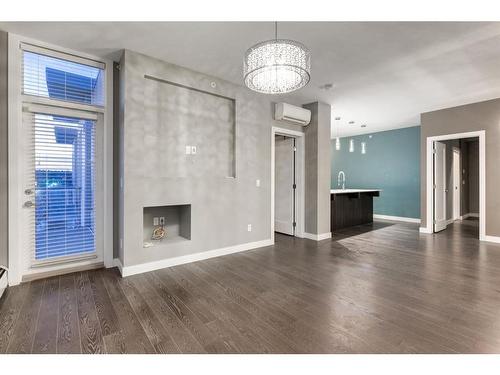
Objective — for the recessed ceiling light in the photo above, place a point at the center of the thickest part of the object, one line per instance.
(351, 122)
(337, 118)
(363, 126)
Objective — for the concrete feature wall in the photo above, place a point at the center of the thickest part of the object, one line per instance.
(391, 163)
(154, 128)
(471, 117)
(317, 171)
(3, 150)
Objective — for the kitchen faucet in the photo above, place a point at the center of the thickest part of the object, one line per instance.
(339, 180)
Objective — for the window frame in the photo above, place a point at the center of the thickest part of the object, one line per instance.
(19, 268)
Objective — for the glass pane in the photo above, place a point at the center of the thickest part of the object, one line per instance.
(64, 186)
(54, 78)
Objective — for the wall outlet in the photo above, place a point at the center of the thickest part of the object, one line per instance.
(249, 228)
(188, 150)
(193, 150)
(257, 183)
(155, 221)
(162, 220)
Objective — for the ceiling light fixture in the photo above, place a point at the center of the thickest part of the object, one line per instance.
(363, 147)
(337, 139)
(351, 122)
(277, 66)
(351, 145)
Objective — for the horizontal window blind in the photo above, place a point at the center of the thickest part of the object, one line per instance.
(63, 176)
(60, 79)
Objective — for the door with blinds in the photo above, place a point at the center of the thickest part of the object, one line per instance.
(60, 185)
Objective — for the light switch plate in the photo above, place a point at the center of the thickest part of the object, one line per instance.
(193, 150)
(155, 221)
(188, 150)
(249, 228)
(257, 183)
(162, 220)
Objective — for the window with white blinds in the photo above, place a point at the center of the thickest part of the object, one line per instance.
(63, 176)
(60, 79)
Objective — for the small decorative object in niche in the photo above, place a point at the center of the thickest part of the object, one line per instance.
(166, 225)
(158, 233)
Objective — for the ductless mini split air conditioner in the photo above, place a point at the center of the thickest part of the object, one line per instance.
(292, 113)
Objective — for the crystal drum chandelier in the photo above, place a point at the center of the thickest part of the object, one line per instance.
(277, 66)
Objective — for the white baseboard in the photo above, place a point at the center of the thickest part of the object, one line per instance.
(397, 218)
(170, 262)
(118, 263)
(425, 230)
(470, 214)
(318, 237)
(3, 283)
(493, 239)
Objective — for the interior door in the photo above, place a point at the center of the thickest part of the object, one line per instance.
(59, 187)
(439, 186)
(456, 184)
(284, 186)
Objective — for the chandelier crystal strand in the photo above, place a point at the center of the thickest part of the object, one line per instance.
(277, 66)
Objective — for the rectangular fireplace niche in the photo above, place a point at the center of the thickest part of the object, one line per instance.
(177, 224)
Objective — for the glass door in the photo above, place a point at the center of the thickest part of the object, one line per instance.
(60, 181)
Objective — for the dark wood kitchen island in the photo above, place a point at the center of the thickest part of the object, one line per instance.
(351, 207)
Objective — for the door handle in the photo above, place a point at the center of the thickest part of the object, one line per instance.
(29, 204)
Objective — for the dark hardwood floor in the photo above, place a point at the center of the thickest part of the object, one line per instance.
(378, 288)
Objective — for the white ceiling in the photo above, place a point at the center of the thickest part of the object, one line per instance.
(384, 74)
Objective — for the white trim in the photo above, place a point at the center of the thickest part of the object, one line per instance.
(425, 230)
(170, 262)
(470, 214)
(482, 178)
(493, 239)
(58, 267)
(56, 53)
(449, 221)
(457, 193)
(3, 282)
(54, 103)
(397, 218)
(15, 100)
(318, 237)
(118, 263)
(300, 197)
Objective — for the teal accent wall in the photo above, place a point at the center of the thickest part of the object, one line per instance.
(391, 163)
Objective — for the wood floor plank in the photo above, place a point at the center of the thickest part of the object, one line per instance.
(105, 311)
(155, 331)
(90, 329)
(184, 340)
(10, 308)
(194, 325)
(377, 288)
(131, 337)
(68, 336)
(46, 328)
(24, 331)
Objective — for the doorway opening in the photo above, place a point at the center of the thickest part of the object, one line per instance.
(456, 183)
(287, 176)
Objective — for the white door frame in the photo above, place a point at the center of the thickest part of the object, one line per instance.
(17, 268)
(482, 179)
(299, 178)
(457, 193)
